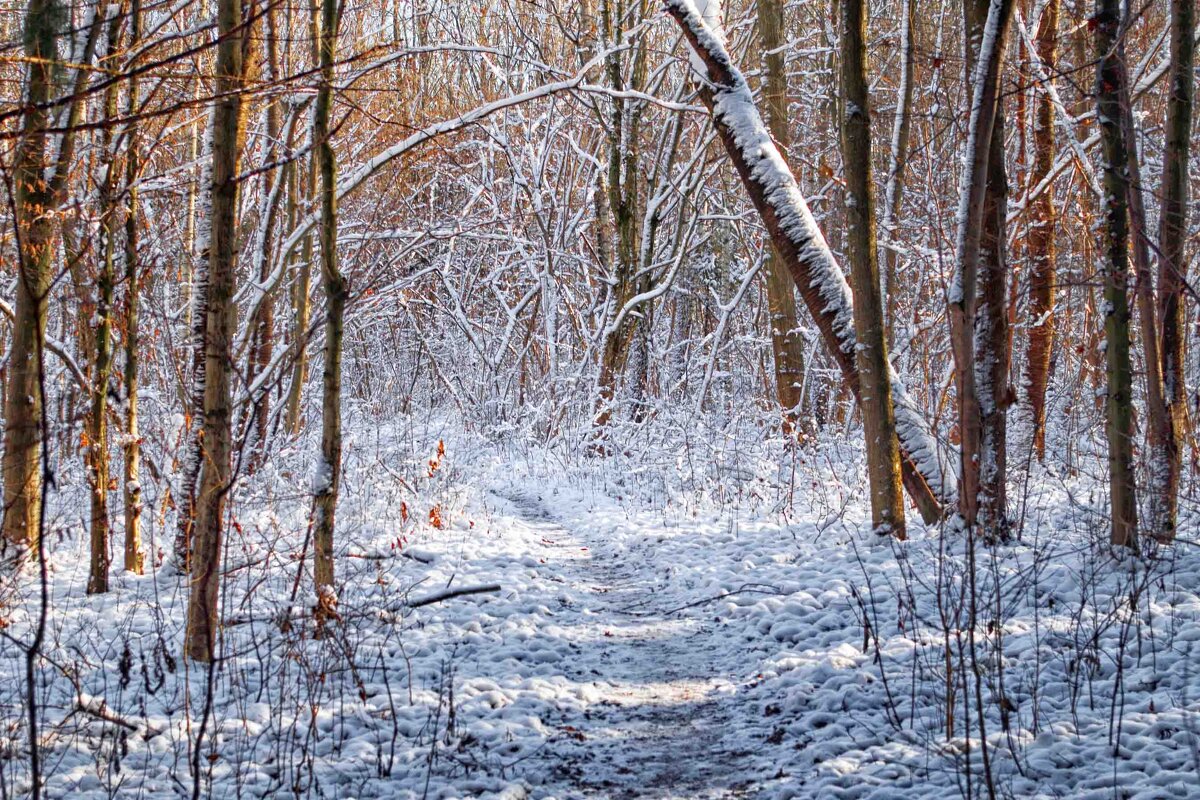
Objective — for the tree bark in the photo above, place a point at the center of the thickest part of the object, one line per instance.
(97, 453)
(626, 209)
(34, 229)
(978, 329)
(1119, 399)
(1043, 270)
(336, 293)
(1159, 516)
(134, 551)
(787, 345)
(216, 445)
(894, 188)
(1172, 239)
(875, 398)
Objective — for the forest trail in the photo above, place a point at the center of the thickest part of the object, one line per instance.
(666, 722)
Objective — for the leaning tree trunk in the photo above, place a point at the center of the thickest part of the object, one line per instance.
(1172, 238)
(787, 345)
(978, 333)
(1119, 399)
(217, 443)
(875, 398)
(134, 551)
(34, 231)
(1043, 270)
(799, 242)
(336, 292)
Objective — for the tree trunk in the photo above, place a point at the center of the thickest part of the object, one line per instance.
(336, 292)
(34, 230)
(263, 325)
(1172, 239)
(979, 339)
(300, 304)
(1160, 506)
(626, 209)
(894, 188)
(216, 445)
(97, 453)
(1119, 399)
(787, 345)
(801, 245)
(194, 382)
(1043, 271)
(875, 398)
(134, 551)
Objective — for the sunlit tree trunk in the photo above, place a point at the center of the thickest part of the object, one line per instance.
(216, 445)
(875, 398)
(1119, 399)
(34, 229)
(1172, 239)
(787, 345)
(134, 550)
(978, 316)
(336, 293)
(1043, 270)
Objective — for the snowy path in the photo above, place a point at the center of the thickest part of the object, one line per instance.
(665, 722)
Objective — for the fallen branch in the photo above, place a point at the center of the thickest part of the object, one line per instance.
(100, 710)
(452, 593)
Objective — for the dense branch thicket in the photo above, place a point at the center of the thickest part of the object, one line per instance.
(230, 225)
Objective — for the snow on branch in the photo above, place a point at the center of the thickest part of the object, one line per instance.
(798, 238)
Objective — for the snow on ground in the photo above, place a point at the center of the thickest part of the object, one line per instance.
(663, 629)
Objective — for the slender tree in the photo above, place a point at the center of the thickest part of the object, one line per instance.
(773, 190)
(978, 292)
(897, 162)
(98, 460)
(1119, 398)
(34, 227)
(217, 442)
(336, 295)
(787, 345)
(134, 550)
(875, 397)
(1172, 239)
(1043, 270)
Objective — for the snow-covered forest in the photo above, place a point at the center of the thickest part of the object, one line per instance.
(599, 399)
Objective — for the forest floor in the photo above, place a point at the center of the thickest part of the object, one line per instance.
(666, 720)
(705, 624)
